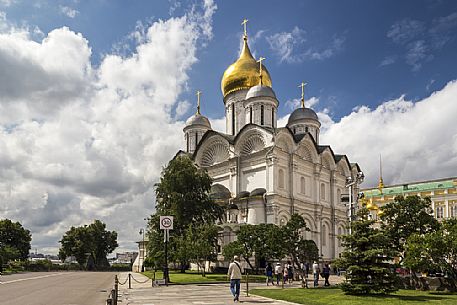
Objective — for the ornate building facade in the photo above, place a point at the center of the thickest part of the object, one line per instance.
(264, 174)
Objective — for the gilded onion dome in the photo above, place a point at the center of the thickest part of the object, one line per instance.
(243, 73)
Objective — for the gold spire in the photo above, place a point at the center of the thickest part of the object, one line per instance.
(381, 183)
(198, 101)
(244, 72)
(260, 69)
(302, 86)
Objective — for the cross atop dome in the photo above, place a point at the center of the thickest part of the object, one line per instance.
(198, 101)
(302, 86)
(244, 24)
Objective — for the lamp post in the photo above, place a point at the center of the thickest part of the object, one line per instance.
(142, 251)
(350, 182)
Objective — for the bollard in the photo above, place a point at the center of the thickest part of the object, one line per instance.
(116, 289)
(130, 281)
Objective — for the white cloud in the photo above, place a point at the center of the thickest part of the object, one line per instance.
(68, 11)
(79, 142)
(7, 2)
(295, 103)
(388, 60)
(290, 46)
(418, 141)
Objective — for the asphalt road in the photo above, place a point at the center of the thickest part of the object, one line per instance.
(56, 288)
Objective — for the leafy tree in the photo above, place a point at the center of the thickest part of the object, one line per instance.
(203, 244)
(86, 240)
(14, 240)
(366, 258)
(295, 247)
(434, 250)
(183, 192)
(406, 216)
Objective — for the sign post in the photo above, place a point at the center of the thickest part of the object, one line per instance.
(166, 224)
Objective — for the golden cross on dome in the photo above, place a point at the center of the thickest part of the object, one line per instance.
(198, 101)
(244, 23)
(260, 68)
(302, 86)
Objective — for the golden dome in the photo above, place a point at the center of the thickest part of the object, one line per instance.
(244, 73)
(371, 206)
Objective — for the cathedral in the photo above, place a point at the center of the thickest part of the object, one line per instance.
(263, 173)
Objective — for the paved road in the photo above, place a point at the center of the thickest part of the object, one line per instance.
(203, 294)
(56, 288)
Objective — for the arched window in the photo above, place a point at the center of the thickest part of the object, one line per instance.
(302, 185)
(340, 232)
(281, 178)
(322, 191)
(338, 195)
(196, 139)
(233, 119)
(261, 114)
(324, 235)
(187, 141)
(306, 129)
(439, 212)
(250, 114)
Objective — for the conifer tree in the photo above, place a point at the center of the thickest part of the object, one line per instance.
(367, 258)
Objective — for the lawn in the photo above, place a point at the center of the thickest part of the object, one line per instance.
(334, 296)
(193, 277)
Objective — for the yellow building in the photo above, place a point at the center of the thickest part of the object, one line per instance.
(442, 192)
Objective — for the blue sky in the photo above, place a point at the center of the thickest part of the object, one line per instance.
(94, 94)
(384, 49)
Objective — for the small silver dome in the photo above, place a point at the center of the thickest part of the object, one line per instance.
(260, 91)
(302, 114)
(198, 119)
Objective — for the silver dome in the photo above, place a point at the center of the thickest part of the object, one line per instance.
(260, 91)
(302, 114)
(198, 119)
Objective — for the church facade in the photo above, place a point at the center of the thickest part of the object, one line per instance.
(264, 174)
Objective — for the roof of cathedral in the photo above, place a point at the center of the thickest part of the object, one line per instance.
(198, 119)
(243, 73)
(301, 114)
(260, 91)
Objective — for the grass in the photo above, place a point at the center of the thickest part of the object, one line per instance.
(193, 277)
(334, 296)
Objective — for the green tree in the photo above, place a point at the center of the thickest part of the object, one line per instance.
(366, 258)
(406, 216)
(86, 240)
(183, 192)
(434, 250)
(14, 240)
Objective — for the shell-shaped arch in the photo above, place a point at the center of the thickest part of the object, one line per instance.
(305, 152)
(252, 144)
(327, 160)
(217, 152)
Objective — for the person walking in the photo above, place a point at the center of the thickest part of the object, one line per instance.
(269, 274)
(278, 272)
(316, 273)
(234, 273)
(326, 273)
(285, 273)
(290, 272)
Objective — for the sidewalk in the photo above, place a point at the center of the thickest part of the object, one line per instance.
(142, 293)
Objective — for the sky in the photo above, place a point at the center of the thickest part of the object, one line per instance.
(94, 94)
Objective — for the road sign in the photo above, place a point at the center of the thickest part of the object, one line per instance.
(166, 222)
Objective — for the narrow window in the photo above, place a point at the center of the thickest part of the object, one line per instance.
(250, 114)
(324, 235)
(272, 117)
(302, 185)
(322, 191)
(261, 115)
(196, 140)
(340, 232)
(338, 196)
(306, 129)
(187, 140)
(233, 119)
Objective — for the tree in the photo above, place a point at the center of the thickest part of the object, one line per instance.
(366, 258)
(406, 216)
(14, 240)
(89, 240)
(183, 192)
(434, 250)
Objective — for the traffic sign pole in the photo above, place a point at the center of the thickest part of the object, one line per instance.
(166, 224)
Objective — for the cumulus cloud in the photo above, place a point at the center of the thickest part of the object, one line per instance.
(420, 40)
(291, 47)
(78, 142)
(7, 2)
(417, 140)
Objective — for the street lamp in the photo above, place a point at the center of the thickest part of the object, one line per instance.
(350, 182)
(142, 248)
